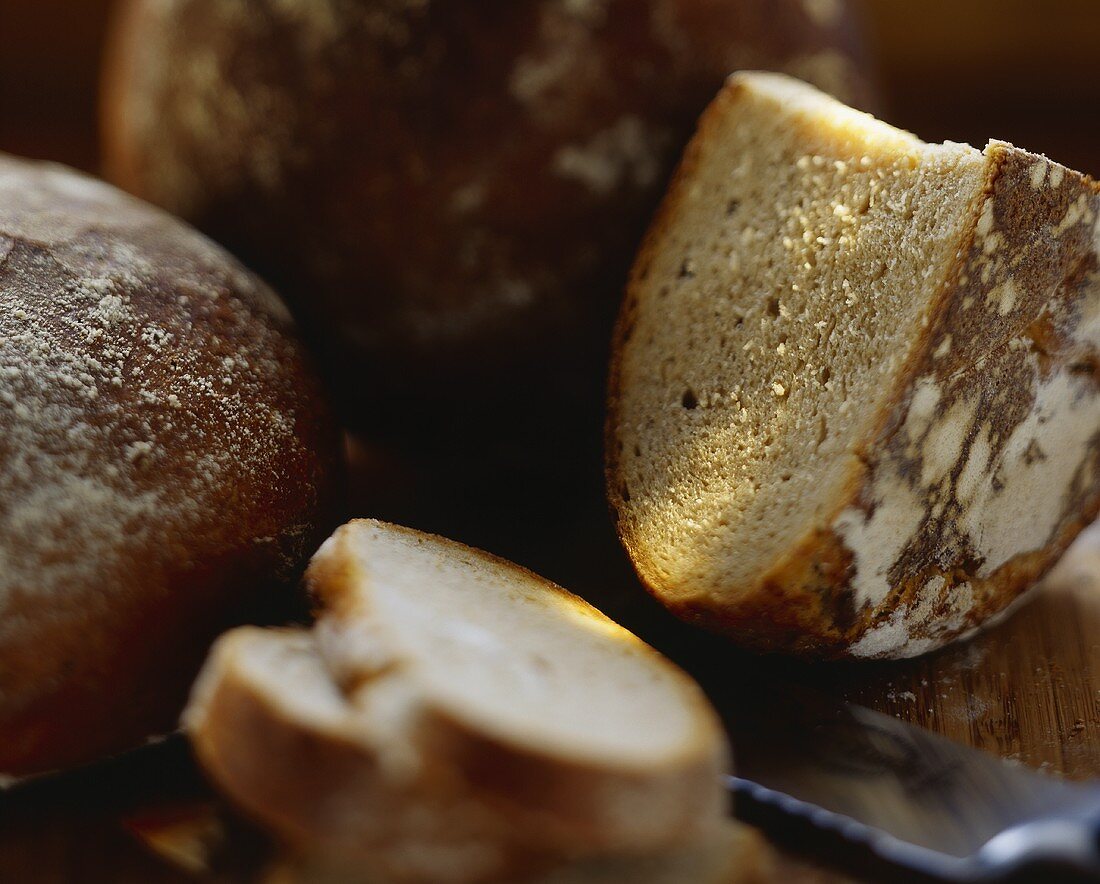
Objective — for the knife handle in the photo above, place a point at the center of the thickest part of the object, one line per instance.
(1064, 847)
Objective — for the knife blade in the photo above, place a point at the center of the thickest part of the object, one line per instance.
(908, 799)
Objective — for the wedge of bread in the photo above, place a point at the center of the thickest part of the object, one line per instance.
(853, 402)
(453, 717)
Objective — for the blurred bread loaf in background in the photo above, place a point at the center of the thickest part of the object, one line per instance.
(935, 80)
(448, 194)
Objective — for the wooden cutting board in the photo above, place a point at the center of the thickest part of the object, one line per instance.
(1028, 690)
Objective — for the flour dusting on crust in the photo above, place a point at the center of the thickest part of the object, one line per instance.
(999, 450)
(143, 383)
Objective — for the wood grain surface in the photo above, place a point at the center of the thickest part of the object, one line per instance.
(1028, 690)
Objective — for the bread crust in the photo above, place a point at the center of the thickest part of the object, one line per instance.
(1009, 348)
(167, 459)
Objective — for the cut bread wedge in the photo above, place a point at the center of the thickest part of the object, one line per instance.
(453, 717)
(853, 404)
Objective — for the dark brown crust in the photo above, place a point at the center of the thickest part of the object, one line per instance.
(980, 343)
(406, 126)
(106, 623)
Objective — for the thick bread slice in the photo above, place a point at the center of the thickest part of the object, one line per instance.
(853, 403)
(455, 718)
(276, 734)
(580, 736)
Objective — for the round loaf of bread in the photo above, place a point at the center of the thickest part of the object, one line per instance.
(165, 460)
(449, 191)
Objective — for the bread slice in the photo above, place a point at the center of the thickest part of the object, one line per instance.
(276, 735)
(853, 401)
(453, 717)
(582, 735)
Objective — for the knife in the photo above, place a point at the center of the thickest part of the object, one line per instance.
(898, 802)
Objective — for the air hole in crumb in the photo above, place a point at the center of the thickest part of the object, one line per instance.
(637, 451)
(689, 400)
(662, 292)
(822, 431)
(625, 492)
(824, 375)
(773, 307)
(732, 206)
(687, 269)
(785, 477)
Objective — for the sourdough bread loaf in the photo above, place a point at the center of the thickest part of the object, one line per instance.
(449, 194)
(453, 717)
(166, 460)
(853, 406)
